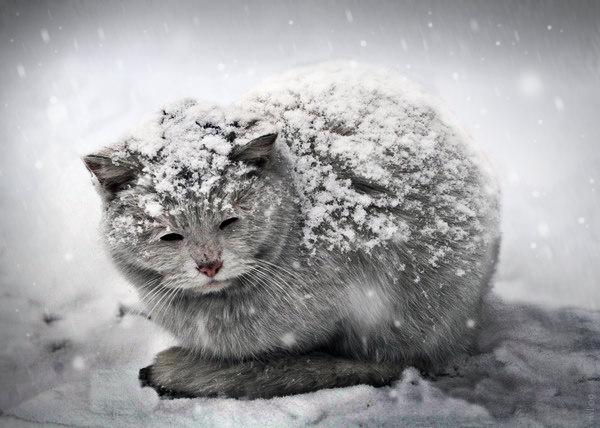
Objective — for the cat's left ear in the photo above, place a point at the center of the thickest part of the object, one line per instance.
(257, 151)
(111, 176)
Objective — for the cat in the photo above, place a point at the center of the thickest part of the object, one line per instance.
(330, 228)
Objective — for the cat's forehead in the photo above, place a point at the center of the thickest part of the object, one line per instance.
(183, 152)
(195, 212)
(191, 125)
(181, 158)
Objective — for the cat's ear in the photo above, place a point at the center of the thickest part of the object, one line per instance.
(112, 177)
(257, 151)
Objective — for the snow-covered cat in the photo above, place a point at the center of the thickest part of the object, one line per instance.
(329, 229)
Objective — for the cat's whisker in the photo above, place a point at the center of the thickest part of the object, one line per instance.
(161, 299)
(278, 279)
(149, 297)
(286, 289)
(161, 312)
(283, 291)
(282, 274)
(160, 304)
(293, 274)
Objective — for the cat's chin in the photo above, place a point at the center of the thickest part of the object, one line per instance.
(211, 287)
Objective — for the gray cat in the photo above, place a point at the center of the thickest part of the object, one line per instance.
(329, 229)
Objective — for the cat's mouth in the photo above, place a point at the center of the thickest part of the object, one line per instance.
(212, 286)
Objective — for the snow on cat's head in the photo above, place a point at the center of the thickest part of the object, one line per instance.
(194, 195)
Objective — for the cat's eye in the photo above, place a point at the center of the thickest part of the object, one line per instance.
(227, 222)
(170, 237)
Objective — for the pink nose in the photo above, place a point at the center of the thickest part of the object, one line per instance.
(211, 269)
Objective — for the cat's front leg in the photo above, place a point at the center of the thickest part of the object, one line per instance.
(177, 372)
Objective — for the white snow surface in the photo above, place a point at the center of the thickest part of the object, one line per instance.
(536, 368)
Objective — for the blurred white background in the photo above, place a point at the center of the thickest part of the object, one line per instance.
(523, 77)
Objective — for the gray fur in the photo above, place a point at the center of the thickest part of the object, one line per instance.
(177, 372)
(285, 319)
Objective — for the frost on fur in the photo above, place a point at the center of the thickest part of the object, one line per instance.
(373, 159)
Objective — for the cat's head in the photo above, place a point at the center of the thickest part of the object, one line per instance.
(197, 196)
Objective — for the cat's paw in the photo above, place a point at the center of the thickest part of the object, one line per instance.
(148, 380)
(162, 376)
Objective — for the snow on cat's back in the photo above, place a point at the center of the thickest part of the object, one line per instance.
(367, 144)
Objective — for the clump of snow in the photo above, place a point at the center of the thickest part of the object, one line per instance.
(152, 207)
(183, 150)
(289, 339)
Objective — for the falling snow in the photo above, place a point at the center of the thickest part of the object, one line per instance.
(45, 35)
(76, 77)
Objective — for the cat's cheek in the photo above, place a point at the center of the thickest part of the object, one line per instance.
(237, 252)
(232, 264)
(189, 267)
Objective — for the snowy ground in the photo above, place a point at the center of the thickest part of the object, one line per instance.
(536, 368)
(523, 78)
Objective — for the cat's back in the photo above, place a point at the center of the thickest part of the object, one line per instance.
(375, 158)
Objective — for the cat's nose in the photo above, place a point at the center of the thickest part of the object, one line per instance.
(210, 269)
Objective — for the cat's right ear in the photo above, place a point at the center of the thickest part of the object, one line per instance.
(110, 177)
(256, 152)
